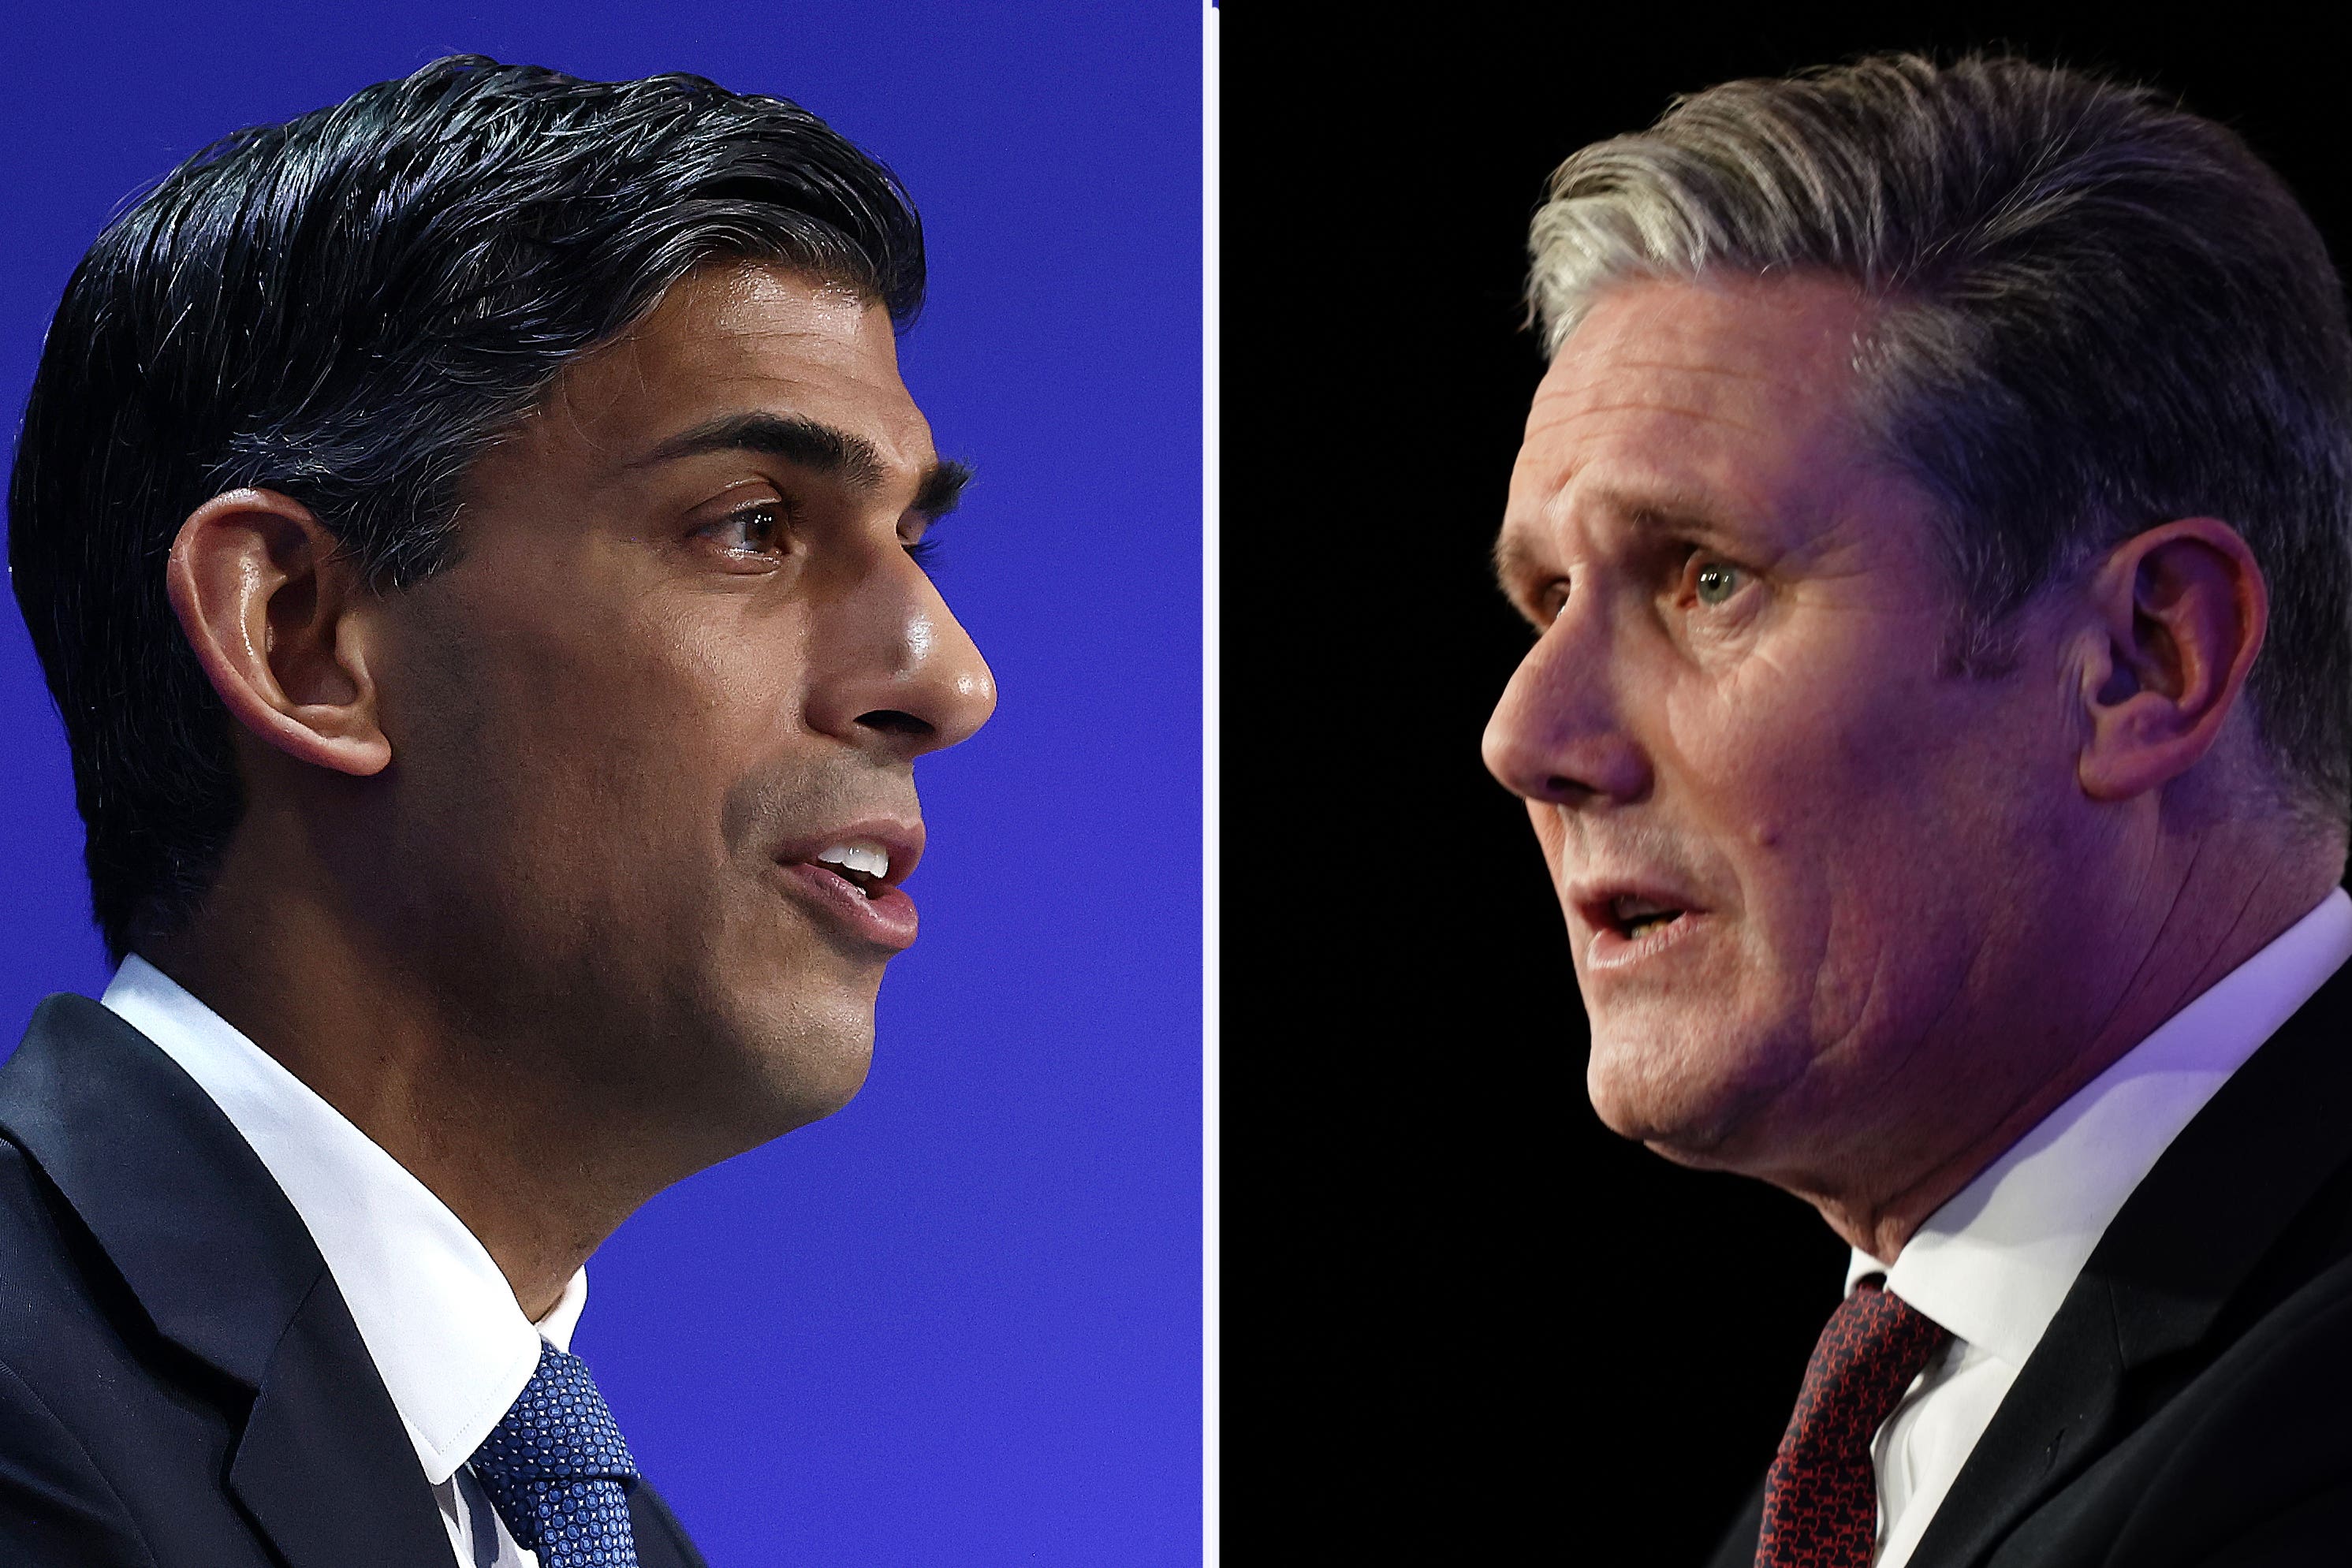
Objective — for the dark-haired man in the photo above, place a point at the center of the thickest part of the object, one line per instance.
(473, 536)
(1936, 528)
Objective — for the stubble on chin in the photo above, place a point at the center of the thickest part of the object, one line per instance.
(1687, 1088)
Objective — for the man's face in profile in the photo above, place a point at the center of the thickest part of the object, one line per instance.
(653, 735)
(1789, 842)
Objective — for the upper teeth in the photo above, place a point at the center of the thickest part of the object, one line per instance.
(865, 859)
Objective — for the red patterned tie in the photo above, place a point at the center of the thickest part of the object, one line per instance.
(1821, 1497)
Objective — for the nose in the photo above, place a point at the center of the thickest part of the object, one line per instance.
(1558, 735)
(899, 673)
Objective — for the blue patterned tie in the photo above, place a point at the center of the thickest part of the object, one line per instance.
(554, 1470)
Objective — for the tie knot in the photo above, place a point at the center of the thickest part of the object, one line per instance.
(1873, 1346)
(558, 1429)
(553, 1467)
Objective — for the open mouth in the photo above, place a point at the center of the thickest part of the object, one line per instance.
(1636, 917)
(848, 880)
(865, 867)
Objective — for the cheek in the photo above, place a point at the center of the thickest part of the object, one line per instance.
(1795, 787)
(743, 672)
(1808, 745)
(676, 711)
(1869, 824)
(601, 728)
(658, 674)
(1746, 754)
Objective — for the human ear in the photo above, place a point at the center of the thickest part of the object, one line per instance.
(270, 604)
(2182, 609)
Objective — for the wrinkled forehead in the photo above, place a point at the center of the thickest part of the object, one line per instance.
(1726, 395)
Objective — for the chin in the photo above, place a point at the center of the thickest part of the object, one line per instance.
(771, 1056)
(1686, 1104)
(796, 1058)
(817, 1092)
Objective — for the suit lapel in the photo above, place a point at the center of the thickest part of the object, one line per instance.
(2218, 1200)
(223, 1268)
(2058, 1415)
(325, 1464)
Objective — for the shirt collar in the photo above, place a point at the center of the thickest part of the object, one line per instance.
(1994, 1262)
(437, 1315)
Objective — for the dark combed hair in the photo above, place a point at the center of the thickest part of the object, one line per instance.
(347, 308)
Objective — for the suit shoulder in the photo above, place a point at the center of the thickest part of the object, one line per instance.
(2256, 1441)
(57, 1276)
(84, 1362)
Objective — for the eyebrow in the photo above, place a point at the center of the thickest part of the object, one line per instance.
(1672, 512)
(1514, 559)
(1689, 514)
(817, 447)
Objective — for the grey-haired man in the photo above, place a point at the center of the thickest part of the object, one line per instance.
(1934, 525)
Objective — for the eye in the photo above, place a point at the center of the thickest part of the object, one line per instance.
(1715, 581)
(923, 550)
(757, 529)
(1543, 605)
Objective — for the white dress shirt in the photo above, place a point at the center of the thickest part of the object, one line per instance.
(1994, 1262)
(437, 1315)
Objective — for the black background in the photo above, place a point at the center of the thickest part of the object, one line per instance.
(1457, 1311)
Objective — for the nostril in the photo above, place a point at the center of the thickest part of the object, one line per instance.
(1618, 776)
(893, 721)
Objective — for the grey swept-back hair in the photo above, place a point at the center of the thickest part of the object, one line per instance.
(2097, 312)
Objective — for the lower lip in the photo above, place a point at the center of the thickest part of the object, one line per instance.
(1612, 949)
(886, 919)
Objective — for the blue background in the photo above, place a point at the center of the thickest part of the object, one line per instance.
(959, 1321)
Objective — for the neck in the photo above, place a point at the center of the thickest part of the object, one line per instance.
(2230, 900)
(435, 1090)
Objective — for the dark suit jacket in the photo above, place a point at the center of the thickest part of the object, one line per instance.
(2191, 1402)
(179, 1380)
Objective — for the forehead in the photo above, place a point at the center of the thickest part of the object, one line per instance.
(1730, 399)
(733, 338)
